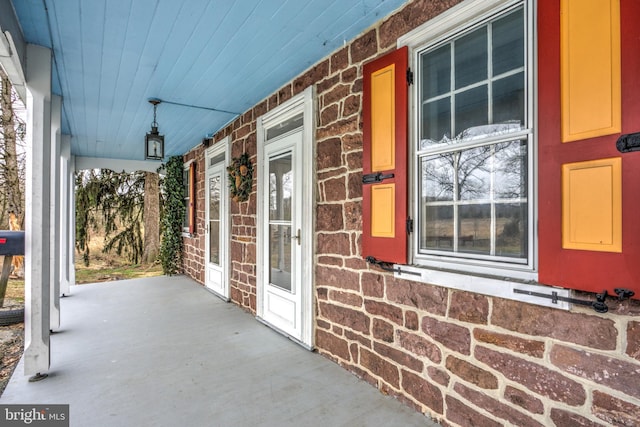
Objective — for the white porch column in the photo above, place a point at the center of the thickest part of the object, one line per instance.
(54, 212)
(72, 222)
(66, 188)
(37, 276)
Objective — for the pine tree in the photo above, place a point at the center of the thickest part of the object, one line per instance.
(116, 201)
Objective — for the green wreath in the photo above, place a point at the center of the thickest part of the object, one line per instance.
(240, 178)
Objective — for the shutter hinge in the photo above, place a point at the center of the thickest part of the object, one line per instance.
(409, 76)
(409, 225)
(598, 305)
(388, 266)
(372, 178)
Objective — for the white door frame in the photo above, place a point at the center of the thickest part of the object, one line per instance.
(220, 148)
(302, 103)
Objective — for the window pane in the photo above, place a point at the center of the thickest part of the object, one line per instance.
(437, 178)
(436, 72)
(185, 183)
(511, 230)
(185, 186)
(475, 229)
(286, 126)
(214, 197)
(214, 242)
(217, 159)
(508, 101)
(186, 220)
(437, 228)
(511, 170)
(474, 174)
(472, 110)
(471, 58)
(436, 122)
(508, 43)
(280, 256)
(280, 188)
(214, 217)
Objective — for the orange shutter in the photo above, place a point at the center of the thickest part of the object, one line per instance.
(192, 198)
(384, 158)
(589, 192)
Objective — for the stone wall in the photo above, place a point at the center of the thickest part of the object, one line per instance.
(485, 361)
(462, 358)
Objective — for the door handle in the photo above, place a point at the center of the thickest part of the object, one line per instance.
(297, 237)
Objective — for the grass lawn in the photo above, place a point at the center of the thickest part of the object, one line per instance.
(103, 268)
(102, 273)
(106, 267)
(15, 290)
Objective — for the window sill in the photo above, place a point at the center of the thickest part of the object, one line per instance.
(486, 285)
(187, 234)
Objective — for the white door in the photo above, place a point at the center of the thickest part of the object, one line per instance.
(282, 239)
(284, 268)
(216, 202)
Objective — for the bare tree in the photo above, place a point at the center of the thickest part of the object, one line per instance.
(12, 130)
(10, 173)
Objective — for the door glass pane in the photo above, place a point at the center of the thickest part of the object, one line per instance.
(214, 198)
(280, 256)
(214, 219)
(294, 122)
(217, 159)
(280, 188)
(214, 242)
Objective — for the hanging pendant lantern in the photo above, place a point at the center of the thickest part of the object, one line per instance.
(153, 141)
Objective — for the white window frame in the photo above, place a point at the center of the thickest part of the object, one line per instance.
(185, 230)
(496, 278)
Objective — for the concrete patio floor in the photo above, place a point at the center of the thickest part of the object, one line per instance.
(164, 351)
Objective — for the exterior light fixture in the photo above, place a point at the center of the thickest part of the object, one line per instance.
(153, 141)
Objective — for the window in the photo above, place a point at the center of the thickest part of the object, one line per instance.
(473, 135)
(185, 183)
(188, 182)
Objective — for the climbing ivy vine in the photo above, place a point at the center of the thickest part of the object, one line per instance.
(172, 217)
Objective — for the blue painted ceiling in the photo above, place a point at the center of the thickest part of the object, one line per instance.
(112, 56)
